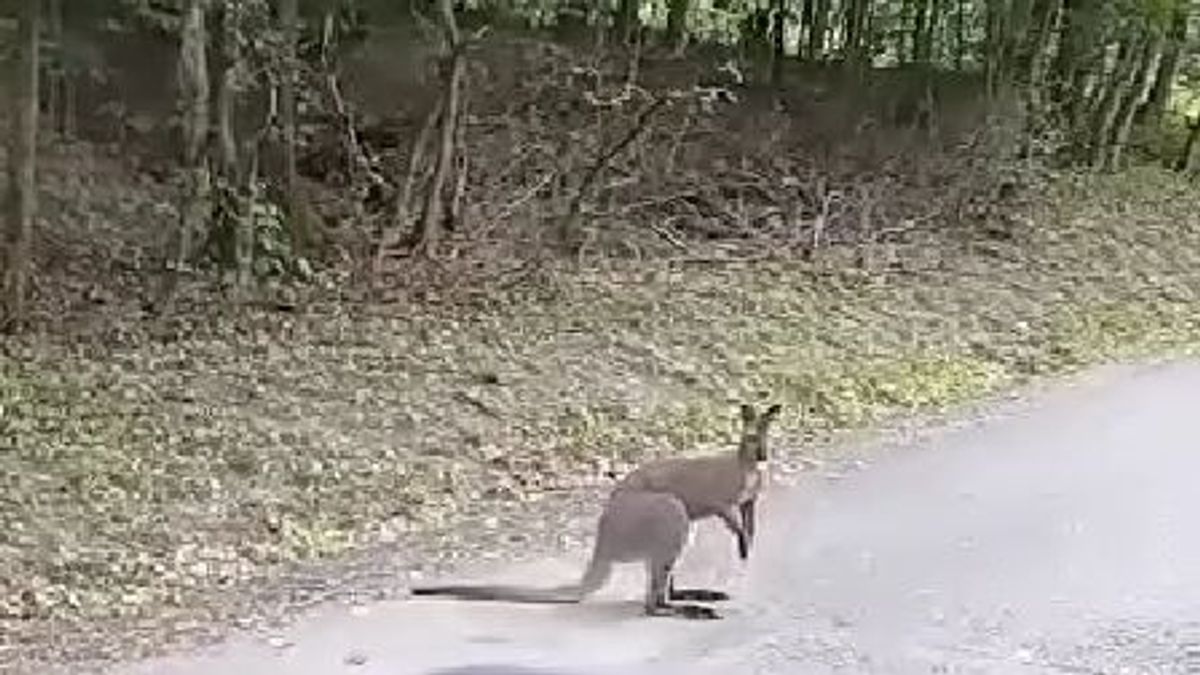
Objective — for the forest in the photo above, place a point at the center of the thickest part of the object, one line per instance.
(291, 287)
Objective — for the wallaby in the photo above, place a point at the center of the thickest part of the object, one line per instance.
(725, 486)
(635, 526)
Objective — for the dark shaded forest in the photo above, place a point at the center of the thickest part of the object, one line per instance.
(287, 141)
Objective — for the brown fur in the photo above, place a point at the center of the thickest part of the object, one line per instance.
(648, 519)
(725, 486)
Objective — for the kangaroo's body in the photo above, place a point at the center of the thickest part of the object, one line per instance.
(647, 527)
(648, 518)
(725, 486)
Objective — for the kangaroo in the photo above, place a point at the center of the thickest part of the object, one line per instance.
(635, 526)
(725, 486)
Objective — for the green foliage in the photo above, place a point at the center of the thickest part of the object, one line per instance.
(273, 255)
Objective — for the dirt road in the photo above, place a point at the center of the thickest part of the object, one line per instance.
(1059, 538)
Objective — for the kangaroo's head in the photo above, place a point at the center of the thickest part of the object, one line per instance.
(753, 445)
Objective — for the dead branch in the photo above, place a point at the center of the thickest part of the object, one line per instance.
(570, 223)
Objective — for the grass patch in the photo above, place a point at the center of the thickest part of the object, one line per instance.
(134, 476)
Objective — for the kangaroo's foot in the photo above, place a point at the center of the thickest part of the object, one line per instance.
(698, 595)
(684, 611)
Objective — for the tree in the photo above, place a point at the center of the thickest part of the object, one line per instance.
(677, 11)
(1133, 100)
(817, 32)
(1168, 69)
(454, 64)
(1189, 160)
(22, 167)
(628, 21)
(778, 30)
(193, 83)
(289, 27)
(857, 47)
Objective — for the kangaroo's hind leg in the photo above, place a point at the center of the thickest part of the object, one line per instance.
(664, 526)
(658, 604)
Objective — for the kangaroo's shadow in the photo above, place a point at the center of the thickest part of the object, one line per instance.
(499, 669)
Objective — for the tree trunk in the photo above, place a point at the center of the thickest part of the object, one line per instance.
(1035, 47)
(1119, 86)
(677, 12)
(960, 34)
(1134, 101)
(808, 13)
(1079, 48)
(1189, 161)
(1160, 94)
(1034, 61)
(55, 86)
(289, 26)
(857, 46)
(818, 30)
(628, 23)
(22, 168)
(1002, 18)
(235, 188)
(429, 227)
(778, 26)
(922, 36)
(194, 102)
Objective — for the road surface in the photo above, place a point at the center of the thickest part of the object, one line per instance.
(1060, 537)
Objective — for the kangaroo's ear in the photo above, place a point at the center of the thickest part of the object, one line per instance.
(748, 414)
(771, 413)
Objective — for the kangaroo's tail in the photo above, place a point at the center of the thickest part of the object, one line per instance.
(597, 573)
(561, 594)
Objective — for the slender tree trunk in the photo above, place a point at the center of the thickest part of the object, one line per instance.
(1033, 63)
(1160, 94)
(921, 35)
(289, 26)
(1134, 101)
(430, 225)
(857, 45)
(999, 39)
(808, 13)
(55, 85)
(1189, 160)
(677, 12)
(22, 168)
(960, 34)
(1035, 47)
(778, 26)
(1079, 50)
(194, 93)
(818, 31)
(235, 188)
(1119, 86)
(903, 32)
(628, 23)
